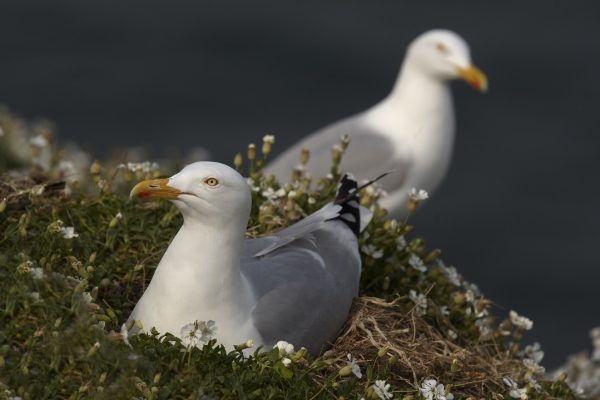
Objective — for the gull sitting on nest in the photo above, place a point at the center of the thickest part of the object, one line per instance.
(296, 285)
(411, 131)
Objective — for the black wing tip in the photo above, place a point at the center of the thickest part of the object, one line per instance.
(347, 197)
(347, 190)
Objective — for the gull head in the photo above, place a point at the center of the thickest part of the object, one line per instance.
(207, 192)
(444, 55)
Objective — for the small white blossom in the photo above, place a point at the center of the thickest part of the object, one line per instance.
(450, 272)
(269, 139)
(354, 365)
(382, 390)
(400, 243)
(520, 321)
(431, 390)
(418, 195)
(292, 194)
(484, 329)
(416, 262)
(452, 335)
(37, 273)
(444, 310)
(372, 251)
(39, 141)
(86, 298)
(284, 347)
(420, 301)
(534, 352)
(125, 334)
(68, 232)
(66, 168)
(514, 391)
(311, 200)
(533, 366)
(286, 361)
(198, 331)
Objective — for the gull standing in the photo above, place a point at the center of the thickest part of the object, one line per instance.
(296, 285)
(410, 132)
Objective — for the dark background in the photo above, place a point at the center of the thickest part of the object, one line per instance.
(519, 211)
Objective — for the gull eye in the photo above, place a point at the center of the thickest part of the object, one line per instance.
(211, 181)
(441, 47)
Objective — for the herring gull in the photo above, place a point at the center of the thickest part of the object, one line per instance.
(411, 131)
(296, 285)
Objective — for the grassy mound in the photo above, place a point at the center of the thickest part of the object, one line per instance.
(76, 256)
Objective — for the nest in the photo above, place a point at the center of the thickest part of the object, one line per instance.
(18, 191)
(418, 351)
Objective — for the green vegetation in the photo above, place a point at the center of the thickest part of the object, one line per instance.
(64, 295)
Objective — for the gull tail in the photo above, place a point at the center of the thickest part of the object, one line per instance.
(352, 213)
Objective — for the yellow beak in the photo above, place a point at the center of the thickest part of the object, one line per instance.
(155, 189)
(474, 77)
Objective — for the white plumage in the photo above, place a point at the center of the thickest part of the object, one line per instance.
(410, 132)
(296, 285)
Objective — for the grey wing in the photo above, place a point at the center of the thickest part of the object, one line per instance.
(369, 154)
(305, 288)
(300, 230)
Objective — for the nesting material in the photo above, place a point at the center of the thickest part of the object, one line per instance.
(418, 351)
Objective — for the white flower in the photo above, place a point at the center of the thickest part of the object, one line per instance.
(420, 301)
(533, 366)
(400, 243)
(66, 168)
(355, 367)
(484, 330)
(372, 251)
(431, 390)
(444, 310)
(450, 272)
(514, 391)
(37, 273)
(35, 296)
(198, 331)
(418, 195)
(68, 232)
(381, 389)
(86, 298)
(286, 361)
(452, 335)
(416, 262)
(39, 141)
(269, 139)
(520, 321)
(311, 200)
(284, 347)
(125, 334)
(534, 352)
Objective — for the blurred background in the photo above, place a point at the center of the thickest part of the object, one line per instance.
(519, 213)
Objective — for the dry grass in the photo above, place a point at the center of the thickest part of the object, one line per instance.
(378, 331)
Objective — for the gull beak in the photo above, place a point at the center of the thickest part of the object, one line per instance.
(474, 77)
(155, 189)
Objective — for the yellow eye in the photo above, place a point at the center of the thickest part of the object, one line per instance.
(211, 181)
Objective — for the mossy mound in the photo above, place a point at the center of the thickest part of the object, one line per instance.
(65, 293)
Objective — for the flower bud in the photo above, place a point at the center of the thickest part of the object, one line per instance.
(238, 160)
(304, 156)
(382, 351)
(251, 152)
(345, 371)
(95, 168)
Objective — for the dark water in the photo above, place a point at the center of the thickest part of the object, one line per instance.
(519, 213)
